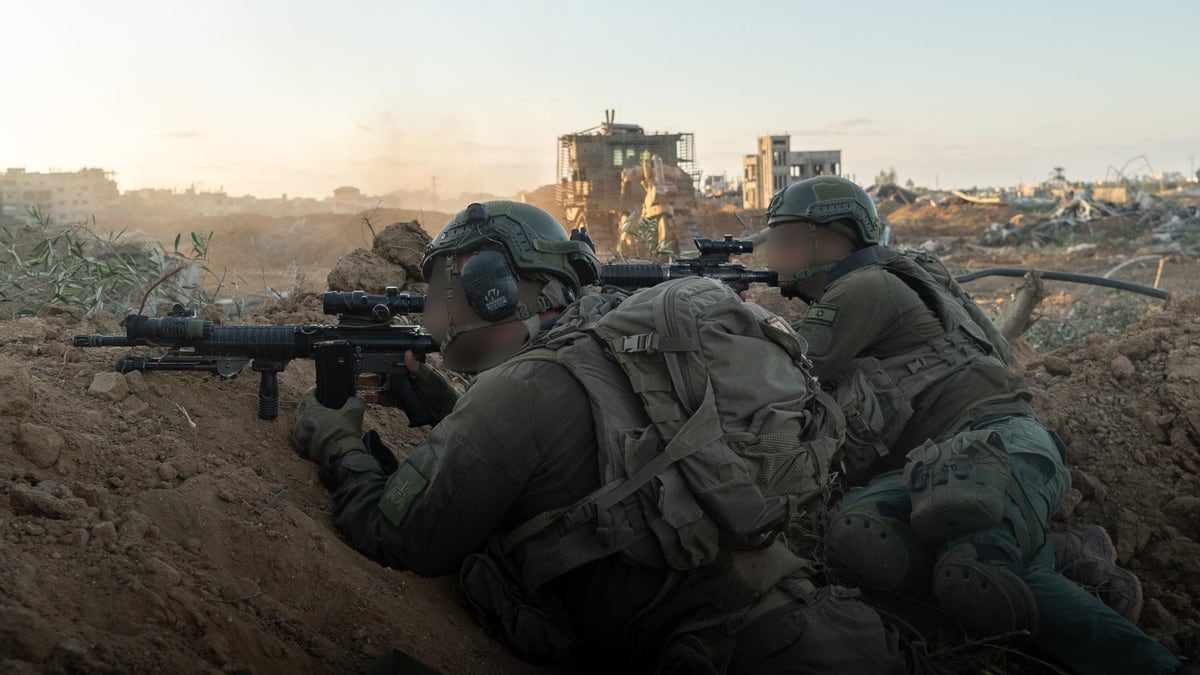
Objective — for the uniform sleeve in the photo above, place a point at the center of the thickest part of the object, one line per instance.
(436, 390)
(853, 314)
(455, 489)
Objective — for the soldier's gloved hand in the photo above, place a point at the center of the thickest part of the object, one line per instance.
(437, 393)
(321, 434)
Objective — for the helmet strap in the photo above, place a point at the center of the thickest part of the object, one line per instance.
(850, 233)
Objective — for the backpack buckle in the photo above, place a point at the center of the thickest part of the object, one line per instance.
(579, 516)
(646, 342)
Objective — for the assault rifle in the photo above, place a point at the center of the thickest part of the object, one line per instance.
(713, 263)
(362, 355)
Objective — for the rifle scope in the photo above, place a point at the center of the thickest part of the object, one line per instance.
(367, 306)
(723, 247)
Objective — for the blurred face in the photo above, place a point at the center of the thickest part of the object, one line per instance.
(790, 248)
(477, 346)
(794, 247)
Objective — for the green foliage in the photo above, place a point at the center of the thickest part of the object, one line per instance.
(74, 266)
(640, 240)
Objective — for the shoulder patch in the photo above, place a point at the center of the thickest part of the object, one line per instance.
(782, 325)
(401, 489)
(821, 314)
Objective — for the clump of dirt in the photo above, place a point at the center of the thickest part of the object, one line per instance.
(394, 260)
(1128, 408)
(151, 523)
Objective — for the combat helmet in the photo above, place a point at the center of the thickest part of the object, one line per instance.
(508, 241)
(532, 239)
(833, 201)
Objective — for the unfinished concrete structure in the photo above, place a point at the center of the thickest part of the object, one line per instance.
(776, 166)
(594, 164)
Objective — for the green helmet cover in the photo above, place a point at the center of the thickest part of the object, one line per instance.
(828, 200)
(533, 240)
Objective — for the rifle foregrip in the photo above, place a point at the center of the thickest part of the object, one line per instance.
(634, 276)
(268, 396)
(130, 363)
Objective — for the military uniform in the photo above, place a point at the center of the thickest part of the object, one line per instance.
(872, 307)
(521, 443)
(960, 478)
(486, 469)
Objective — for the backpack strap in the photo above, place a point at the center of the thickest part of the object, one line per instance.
(570, 537)
(870, 255)
(953, 306)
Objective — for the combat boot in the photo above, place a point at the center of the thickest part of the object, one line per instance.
(1086, 556)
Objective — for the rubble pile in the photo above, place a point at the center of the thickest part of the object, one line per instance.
(1173, 226)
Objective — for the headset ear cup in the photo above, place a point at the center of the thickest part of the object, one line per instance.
(490, 285)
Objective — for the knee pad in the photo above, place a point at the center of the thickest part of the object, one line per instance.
(985, 599)
(875, 551)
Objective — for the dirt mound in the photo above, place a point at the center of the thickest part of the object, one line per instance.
(154, 524)
(394, 260)
(363, 270)
(1128, 407)
(403, 244)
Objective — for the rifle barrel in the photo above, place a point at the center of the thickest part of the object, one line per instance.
(635, 276)
(101, 341)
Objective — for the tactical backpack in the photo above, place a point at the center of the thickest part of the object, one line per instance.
(711, 430)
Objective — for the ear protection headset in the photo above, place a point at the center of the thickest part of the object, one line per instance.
(490, 284)
(490, 277)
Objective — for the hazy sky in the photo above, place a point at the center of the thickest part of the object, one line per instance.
(292, 97)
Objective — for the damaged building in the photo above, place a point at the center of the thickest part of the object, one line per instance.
(776, 166)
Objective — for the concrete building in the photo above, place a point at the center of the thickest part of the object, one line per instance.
(63, 197)
(776, 166)
(347, 199)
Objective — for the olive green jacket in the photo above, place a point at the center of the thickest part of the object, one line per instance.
(873, 312)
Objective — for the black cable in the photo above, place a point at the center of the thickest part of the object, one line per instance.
(1065, 276)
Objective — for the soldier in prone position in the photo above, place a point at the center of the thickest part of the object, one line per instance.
(506, 491)
(956, 477)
